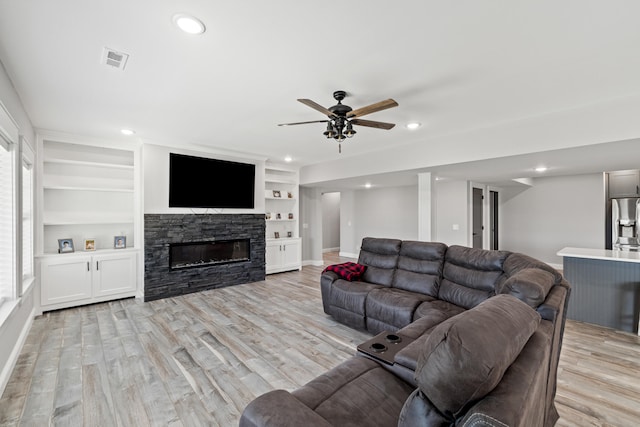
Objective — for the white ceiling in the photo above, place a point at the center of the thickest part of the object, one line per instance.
(453, 66)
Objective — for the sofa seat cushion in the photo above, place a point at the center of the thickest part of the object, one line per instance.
(350, 296)
(355, 393)
(392, 306)
(465, 357)
(438, 310)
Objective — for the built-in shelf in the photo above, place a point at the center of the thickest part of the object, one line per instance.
(87, 163)
(282, 253)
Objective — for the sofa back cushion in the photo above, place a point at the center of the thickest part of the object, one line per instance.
(381, 258)
(420, 267)
(465, 357)
(470, 275)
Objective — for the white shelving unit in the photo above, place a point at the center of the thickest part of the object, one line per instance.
(87, 190)
(283, 246)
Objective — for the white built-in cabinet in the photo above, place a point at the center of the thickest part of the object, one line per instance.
(87, 190)
(283, 246)
(75, 279)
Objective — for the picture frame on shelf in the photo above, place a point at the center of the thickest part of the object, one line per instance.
(65, 246)
(289, 195)
(90, 244)
(276, 234)
(290, 216)
(119, 242)
(276, 193)
(289, 234)
(278, 216)
(267, 216)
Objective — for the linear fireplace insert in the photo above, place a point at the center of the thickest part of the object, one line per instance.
(199, 254)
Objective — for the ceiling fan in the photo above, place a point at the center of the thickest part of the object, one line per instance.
(341, 118)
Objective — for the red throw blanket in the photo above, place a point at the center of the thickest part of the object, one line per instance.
(349, 270)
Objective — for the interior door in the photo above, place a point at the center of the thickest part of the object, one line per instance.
(477, 217)
(493, 219)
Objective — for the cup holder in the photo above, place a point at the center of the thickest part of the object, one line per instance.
(378, 347)
(393, 338)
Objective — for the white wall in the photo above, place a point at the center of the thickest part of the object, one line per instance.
(349, 246)
(386, 212)
(452, 211)
(155, 160)
(14, 328)
(330, 221)
(554, 213)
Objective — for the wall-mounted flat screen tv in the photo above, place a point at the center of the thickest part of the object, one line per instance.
(198, 182)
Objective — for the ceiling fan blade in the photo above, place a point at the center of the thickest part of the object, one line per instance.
(372, 124)
(303, 123)
(317, 107)
(378, 106)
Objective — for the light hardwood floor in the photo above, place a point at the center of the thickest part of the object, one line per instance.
(200, 358)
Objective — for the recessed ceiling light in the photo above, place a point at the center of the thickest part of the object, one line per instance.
(127, 132)
(288, 159)
(189, 24)
(367, 185)
(413, 125)
(541, 169)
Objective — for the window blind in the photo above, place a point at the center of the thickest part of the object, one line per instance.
(27, 220)
(6, 223)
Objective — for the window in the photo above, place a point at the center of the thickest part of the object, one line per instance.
(27, 214)
(7, 207)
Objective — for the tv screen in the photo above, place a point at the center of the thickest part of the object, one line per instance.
(198, 182)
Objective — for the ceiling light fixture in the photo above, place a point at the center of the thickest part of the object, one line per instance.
(127, 132)
(541, 169)
(288, 159)
(413, 125)
(367, 185)
(189, 24)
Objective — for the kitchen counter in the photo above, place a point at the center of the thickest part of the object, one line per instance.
(605, 287)
(603, 254)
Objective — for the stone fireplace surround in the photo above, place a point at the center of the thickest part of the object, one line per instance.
(160, 230)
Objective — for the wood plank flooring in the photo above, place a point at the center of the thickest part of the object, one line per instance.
(197, 360)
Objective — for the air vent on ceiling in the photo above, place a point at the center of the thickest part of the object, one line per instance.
(114, 58)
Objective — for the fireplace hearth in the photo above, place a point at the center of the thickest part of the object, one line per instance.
(200, 254)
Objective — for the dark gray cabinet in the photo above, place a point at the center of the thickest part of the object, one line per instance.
(624, 184)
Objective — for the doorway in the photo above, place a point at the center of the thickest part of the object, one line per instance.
(477, 226)
(493, 220)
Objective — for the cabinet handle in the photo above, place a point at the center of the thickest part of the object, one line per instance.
(97, 265)
(88, 266)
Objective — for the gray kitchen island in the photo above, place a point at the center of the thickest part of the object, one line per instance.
(605, 286)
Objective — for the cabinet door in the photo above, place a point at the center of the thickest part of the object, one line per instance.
(273, 257)
(624, 184)
(65, 279)
(114, 274)
(291, 255)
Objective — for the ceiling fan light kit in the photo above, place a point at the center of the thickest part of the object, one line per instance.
(341, 118)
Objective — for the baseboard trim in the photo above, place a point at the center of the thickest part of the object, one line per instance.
(315, 262)
(324, 251)
(348, 255)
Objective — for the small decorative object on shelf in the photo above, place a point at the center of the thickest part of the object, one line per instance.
(119, 242)
(290, 195)
(276, 234)
(290, 216)
(276, 193)
(267, 216)
(278, 216)
(289, 234)
(65, 246)
(90, 244)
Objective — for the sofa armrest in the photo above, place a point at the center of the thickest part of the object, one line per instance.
(279, 408)
(326, 282)
(553, 304)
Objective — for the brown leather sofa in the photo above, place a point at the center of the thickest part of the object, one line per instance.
(487, 329)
